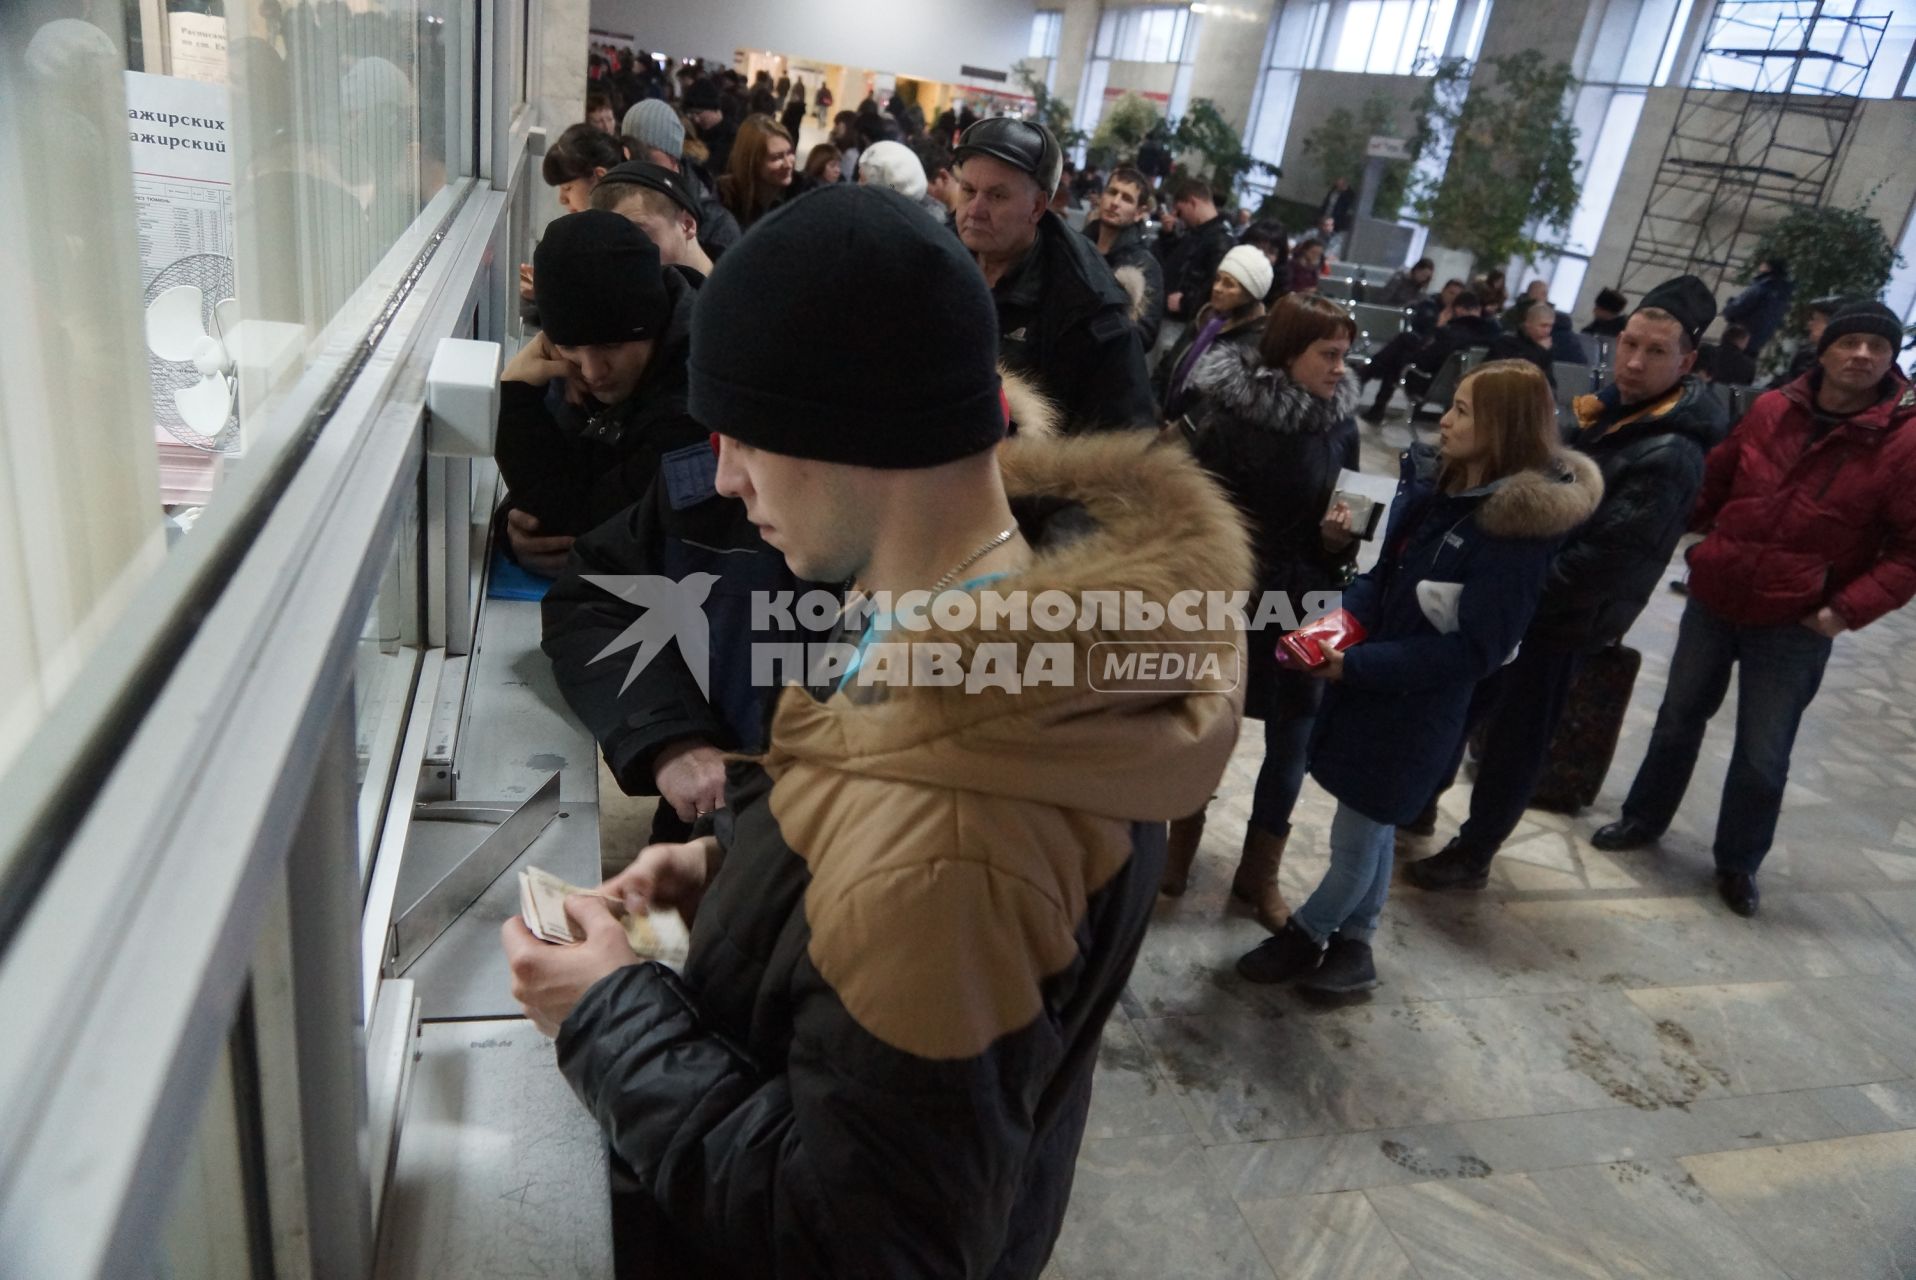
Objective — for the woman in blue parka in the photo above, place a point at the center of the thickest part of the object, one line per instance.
(1471, 533)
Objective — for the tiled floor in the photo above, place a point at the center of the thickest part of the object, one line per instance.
(1592, 1069)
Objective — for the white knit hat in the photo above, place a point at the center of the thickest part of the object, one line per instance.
(892, 164)
(1250, 268)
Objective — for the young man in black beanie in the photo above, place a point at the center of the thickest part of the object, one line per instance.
(1808, 513)
(1648, 433)
(661, 203)
(921, 903)
(1063, 319)
(628, 473)
(587, 407)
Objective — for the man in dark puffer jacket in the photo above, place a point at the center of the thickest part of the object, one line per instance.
(921, 904)
(1648, 433)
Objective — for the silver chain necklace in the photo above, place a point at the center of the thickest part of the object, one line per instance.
(997, 540)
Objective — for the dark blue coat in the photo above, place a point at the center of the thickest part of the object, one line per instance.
(1388, 729)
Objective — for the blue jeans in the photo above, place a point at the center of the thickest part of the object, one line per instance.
(1351, 895)
(1781, 669)
(1279, 779)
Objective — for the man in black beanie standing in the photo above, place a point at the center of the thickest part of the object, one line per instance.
(1808, 513)
(1063, 319)
(1648, 432)
(920, 904)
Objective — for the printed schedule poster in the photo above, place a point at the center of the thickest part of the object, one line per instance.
(182, 169)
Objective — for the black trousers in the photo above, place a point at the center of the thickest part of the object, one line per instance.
(1519, 706)
(1388, 365)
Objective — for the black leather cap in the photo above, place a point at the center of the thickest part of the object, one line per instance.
(656, 177)
(1023, 145)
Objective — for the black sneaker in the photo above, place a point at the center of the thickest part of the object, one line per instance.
(1624, 833)
(1346, 970)
(1738, 891)
(1452, 867)
(1289, 953)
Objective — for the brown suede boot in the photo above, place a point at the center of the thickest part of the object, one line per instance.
(1256, 878)
(1185, 835)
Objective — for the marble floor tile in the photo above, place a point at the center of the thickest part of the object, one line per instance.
(1768, 1037)
(1501, 1228)
(1826, 935)
(1898, 908)
(1651, 1221)
(1257, 1172)
(1328, 1237)
(1240, 1076)
(1522, 1144)
(1148, 1208)
(1129, 1099)
(1870, 1108)
(1644, 942)
(1460, 947)
(1880, 1012)
(1846, 1207)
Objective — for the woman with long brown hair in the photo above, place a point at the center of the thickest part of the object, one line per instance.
(1273, 423)
(760, 175)
(1472, 531)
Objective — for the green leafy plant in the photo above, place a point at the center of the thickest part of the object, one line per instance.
(1510, 182)
(1122, 129)
(1051, 111)
(1830, 252)
(1339, 148)
(1203, 134)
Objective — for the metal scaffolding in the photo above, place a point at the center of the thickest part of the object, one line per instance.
(1778, 86)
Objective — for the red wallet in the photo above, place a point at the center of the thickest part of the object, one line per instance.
(1304, 647)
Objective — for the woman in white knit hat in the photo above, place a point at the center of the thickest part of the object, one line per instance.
(1234, 316)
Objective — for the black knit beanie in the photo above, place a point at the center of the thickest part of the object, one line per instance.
(1688, 299)
(596, 279)
(795, 339)
(1862, 317)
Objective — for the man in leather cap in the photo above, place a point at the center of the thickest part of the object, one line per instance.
(1063, 319)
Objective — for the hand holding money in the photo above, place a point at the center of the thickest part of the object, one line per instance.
(542, 904)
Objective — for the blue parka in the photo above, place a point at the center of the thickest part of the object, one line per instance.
(1388, 728)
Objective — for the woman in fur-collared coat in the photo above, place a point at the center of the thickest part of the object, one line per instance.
(1273, 423)
(1471, 537)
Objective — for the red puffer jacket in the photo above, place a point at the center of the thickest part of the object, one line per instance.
(1794, 525)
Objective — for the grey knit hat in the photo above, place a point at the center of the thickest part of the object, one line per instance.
(655, 124)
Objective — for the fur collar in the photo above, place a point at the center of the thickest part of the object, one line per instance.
(1035, 416)
(1237, 380)
(1104, 505)
(1546, 502)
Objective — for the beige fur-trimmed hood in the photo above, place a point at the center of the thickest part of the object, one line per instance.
(1125, 514)
(1544, 503)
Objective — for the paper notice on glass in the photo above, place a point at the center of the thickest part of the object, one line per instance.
(1369, 498)
(196, 47)
(182, 169)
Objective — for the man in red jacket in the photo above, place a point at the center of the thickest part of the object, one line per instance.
(1809, 511)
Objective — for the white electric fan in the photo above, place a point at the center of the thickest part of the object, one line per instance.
(192, 323)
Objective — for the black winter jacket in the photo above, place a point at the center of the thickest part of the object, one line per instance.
(1518, 346)
(1242, 335)
(718, 229)
(1064, 322)
(1129, 253)
(1461, 333)
(683, 530)
(575, 469)
(1193, 264)
(1276, 449)
(1652, 467)
(877, 1063)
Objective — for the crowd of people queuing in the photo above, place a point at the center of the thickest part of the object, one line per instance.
(914, 907)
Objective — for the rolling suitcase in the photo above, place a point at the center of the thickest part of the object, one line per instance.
(1586, 739)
